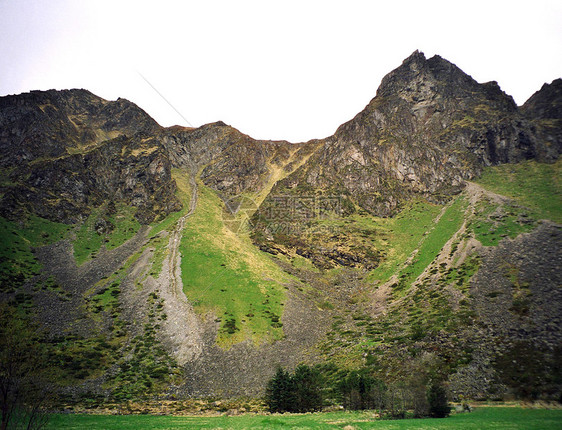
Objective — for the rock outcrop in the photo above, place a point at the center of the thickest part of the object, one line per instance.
(544, 110)
(50, 124)
(65, 152)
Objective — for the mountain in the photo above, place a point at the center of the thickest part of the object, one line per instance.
(429, 128)
(422, 239)
(105, 147)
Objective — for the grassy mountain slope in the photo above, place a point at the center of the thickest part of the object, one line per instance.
(222, 272)
(432, 312)
(416, 295)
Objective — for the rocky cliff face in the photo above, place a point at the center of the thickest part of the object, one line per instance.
(544, 110)
(65, 152)
(429, 128)
(131, 170)
(229, 161)
(49, 124)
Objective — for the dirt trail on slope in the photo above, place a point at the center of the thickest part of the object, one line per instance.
(182, 325)
(474, 194)
(174, 243)
(379, 298)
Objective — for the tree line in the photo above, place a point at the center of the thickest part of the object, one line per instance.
(308, 389)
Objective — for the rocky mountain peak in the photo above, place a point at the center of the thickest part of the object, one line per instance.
(49, 124)
(420, 79)
(544, 110)
(547, 102)
(429, 128)
(416, 58)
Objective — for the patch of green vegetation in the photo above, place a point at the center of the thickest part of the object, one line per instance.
(302, 263)
(460, 276)
(88, 241)
(430, 311)
(160, 244)
(224, 273)
(401, 235)
(513, 418)
(23, 303)
(145, 366)
(17, 262)
(109, 224)
(537, 186)
(76, 358)
(494, 221)
(521, 292)
(126, 226)
(106, 299)
(448, 224)
(50, 284)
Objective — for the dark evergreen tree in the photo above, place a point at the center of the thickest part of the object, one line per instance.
(279, 395)
(359, 390)
(437, 399)
(307, 387)
(300, 392)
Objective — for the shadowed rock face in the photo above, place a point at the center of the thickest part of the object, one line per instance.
(545, 103)
(65, 152)
(65, 189)
(544, 109)
(47, 124)
(230, 161)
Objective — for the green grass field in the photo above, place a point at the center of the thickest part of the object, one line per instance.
(504, 418)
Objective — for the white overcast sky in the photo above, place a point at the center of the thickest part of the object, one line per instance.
(290, 70)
